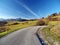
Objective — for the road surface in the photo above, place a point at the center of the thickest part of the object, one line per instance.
(24, 36)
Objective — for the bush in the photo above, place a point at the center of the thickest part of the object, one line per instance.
(2, 23)
(41, 22)
(15, 23)
(3, 29)
(54, 14)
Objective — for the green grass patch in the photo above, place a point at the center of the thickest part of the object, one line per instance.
(13, 28)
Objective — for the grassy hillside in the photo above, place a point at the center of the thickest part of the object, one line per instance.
(53, 29)
(56, 31)
(15, 25)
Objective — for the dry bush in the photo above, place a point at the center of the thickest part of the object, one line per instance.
(41, 22)
(3, 23)
(3, 29)
(15, 23)
(51, 18)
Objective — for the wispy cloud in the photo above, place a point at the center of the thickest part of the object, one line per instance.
(27, 8)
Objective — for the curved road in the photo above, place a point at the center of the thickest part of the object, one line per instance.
(24, 36)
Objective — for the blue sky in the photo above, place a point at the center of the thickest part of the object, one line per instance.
(28, 8)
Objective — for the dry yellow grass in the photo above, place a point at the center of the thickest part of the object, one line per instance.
(53, 22)
(56, 30)
(16, 27)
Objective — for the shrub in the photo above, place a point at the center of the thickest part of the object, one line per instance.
(3, 29)
(54, 14)
(2, 23)
(15, 23)
(41, 22)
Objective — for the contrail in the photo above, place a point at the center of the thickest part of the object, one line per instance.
(27, 8)
(22, 14)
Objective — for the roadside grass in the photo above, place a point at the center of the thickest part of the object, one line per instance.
(13, 28)
(54, 36)
(50, 33)
(54, 32)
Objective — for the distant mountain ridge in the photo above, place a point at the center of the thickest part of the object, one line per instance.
(17, 19)
(1, 19)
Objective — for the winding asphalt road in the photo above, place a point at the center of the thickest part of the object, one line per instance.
(24, 36)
